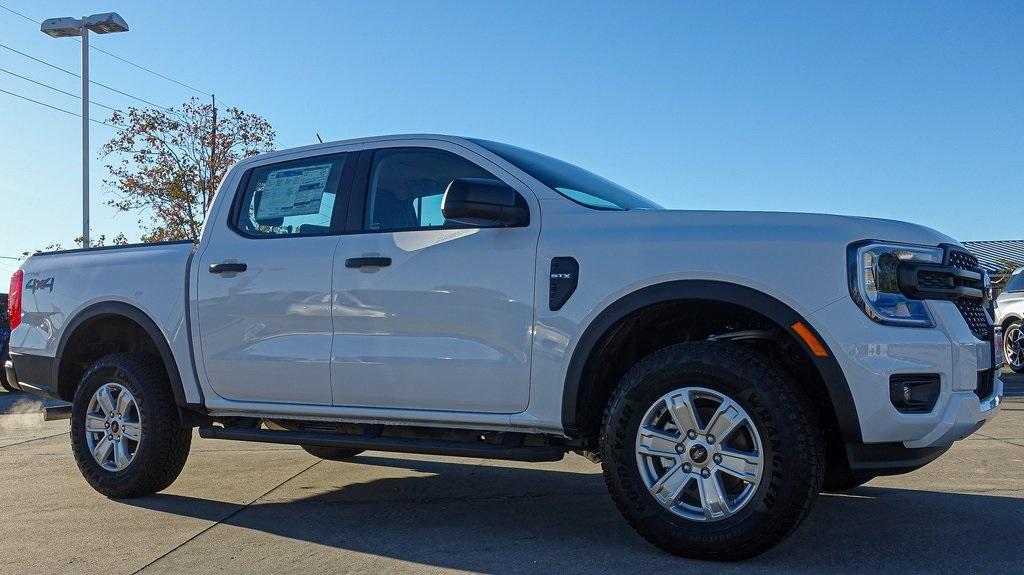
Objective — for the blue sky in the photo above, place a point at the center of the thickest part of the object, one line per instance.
(907, 110)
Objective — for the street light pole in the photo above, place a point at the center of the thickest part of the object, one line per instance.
(85, 136)
(105, 23)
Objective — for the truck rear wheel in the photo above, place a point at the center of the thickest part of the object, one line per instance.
(125, 432)
(710, 451)
(332, 453)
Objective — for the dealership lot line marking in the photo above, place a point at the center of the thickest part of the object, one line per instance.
(241, 508)
(34, 439)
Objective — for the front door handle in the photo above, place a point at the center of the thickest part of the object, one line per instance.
(367, 262)
(227, 267)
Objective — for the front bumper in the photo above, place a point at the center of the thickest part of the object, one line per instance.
(870, 353)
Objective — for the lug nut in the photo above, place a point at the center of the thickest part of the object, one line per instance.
(705, 473)
(691, 434)
(107, 425)
(717, 458)
(687, 467)
(711, 438)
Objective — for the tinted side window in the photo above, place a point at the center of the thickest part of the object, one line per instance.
(407, 185)
(1016, 282)
(291, 198)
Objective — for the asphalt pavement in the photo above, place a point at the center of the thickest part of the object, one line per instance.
(255, 508)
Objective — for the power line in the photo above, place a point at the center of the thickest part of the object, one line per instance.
(68, 112)
(55, 89)
(116, 57)
(16, 13)
(153, 72)
(66, 71)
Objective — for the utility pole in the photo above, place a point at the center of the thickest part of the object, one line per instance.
(85, 136)
(213, 152)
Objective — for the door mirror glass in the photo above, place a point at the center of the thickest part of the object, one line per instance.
(484, 202)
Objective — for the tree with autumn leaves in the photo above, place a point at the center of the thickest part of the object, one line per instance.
(166, 164)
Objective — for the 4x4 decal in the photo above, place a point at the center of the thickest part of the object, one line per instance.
(38, 284)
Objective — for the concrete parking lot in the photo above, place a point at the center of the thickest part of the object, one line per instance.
(253, 508)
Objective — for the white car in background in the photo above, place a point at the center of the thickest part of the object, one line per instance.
(1010, 315)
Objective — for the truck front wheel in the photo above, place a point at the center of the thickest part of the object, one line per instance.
(126, 436)
(710, 451)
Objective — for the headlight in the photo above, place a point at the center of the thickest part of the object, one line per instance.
(874, 286)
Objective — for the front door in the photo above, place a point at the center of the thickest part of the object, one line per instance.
(431, 314)
(264, 285)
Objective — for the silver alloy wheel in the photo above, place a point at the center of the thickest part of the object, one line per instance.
(699, 454)
(113, 426)
(1013, 346)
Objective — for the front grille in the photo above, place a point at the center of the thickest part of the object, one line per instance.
(974, 313)
(972, 309)
(986, 383)
(933, 280)
(962, 260)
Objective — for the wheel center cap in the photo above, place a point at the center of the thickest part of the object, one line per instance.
(114, 426)
(698, 453)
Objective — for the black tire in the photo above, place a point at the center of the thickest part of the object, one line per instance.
(164, 444)
(792, 442)
(1006, 333)
(332, 453)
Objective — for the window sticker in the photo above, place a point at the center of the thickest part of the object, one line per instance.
(293, 192)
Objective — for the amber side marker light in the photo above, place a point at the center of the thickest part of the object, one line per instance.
(810, 339)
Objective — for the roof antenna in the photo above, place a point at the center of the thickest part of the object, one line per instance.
(318, 137)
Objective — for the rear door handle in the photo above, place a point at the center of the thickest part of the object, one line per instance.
(367, 262)
(227, 267)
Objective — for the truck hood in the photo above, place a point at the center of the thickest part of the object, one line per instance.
(789, 226)
(799, 259)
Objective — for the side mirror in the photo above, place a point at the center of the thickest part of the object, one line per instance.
(484, 202)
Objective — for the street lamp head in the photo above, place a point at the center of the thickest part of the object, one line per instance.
(61, 27)
(106, 23)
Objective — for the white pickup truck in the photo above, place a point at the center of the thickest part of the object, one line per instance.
(452, 296)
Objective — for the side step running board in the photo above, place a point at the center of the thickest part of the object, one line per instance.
(396, 444)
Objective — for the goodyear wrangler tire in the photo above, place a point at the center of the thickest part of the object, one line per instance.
(126, 436)
(711, 452)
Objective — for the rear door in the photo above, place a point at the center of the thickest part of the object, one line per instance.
(264, 285)
(430, 314)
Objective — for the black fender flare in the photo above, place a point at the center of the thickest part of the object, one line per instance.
(831, 373)
(116, 308)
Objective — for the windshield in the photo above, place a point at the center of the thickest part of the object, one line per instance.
(571, 181)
